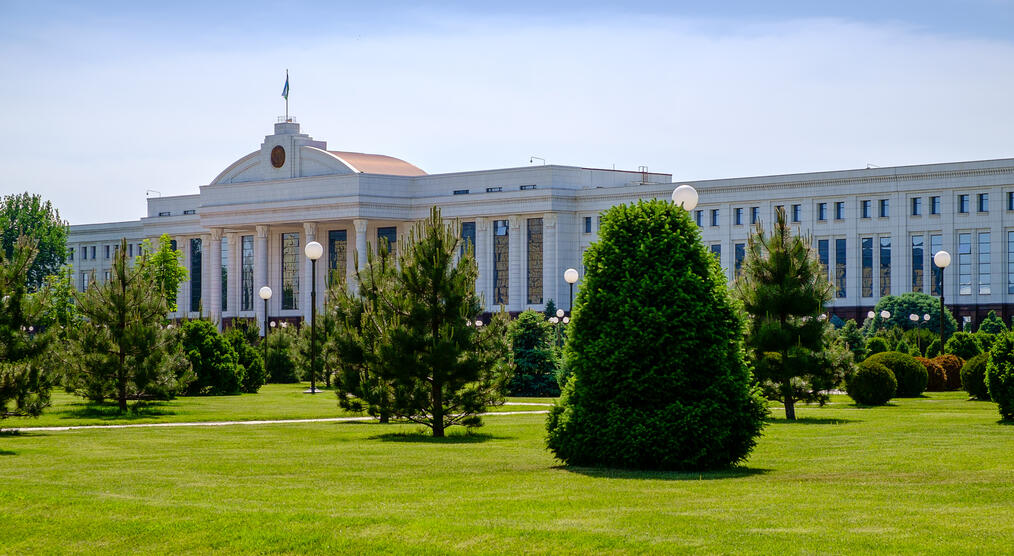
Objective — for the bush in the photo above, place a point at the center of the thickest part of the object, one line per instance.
(280, 366)
(212, 358)
(933, 349)
(952, 369)
(872, 384)
(876, 345)
(973, 377)
(534, 367)
(985, 340)
(992, 324)
(903, 347)
(1000, 375)
(963, 344)
(249, 358)
(673, 392)
(937, 375)
(911, 376)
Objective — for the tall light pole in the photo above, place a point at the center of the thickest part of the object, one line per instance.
(313, 251)
(265, 293)
(941, 260)
(570, 275)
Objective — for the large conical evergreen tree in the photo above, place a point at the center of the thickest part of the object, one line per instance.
(783, 288)
(124, 350)
(24, 382)
(655, 346)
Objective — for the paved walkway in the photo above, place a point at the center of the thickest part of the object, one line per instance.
(263, 422)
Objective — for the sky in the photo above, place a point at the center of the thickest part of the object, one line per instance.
(108, 102)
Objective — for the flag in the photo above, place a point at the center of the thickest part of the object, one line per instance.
(285, 89)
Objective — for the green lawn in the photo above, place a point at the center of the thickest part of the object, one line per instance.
(927, 475)
(274, 401)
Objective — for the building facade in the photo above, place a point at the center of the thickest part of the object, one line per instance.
(875, 230)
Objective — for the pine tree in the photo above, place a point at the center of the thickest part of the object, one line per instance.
(23, 347)
(124, 350)
(784, 288)
(165, 268)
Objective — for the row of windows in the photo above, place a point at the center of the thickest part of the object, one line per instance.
(865, 209)
(974, 263)
(91, 251)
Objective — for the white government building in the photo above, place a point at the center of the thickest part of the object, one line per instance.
(875, 229)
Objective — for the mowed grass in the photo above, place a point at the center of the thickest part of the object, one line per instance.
(926, 475)
(272, 402)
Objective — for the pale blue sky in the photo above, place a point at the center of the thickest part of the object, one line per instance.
(108, 99)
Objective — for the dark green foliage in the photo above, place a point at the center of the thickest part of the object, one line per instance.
(28, 215)
(550, 310)
(903, 347)
(1000, 375)
(783, 288)
(534, 367)
(876, 344)
(901, 306)
(871, 384)
(280, 364)
(212, 359)
(164, 267)
(25, 382)
(248, 356)
(973, 377)
(910, 375)
(937, 376)
(122, 350)
(952, 369)
(919, 339)
(933, 349)
(963, 344)
(992, 324)
(985, 340)
(854, 340)
(672, 391)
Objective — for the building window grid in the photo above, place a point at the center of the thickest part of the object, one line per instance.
(985, 281)
(699, 218)
(224, 250)
(935, 205)
(916, 206)
(196, 249)
(983, 202)
(1010, 262)
(824, 255)
(885, 208)
(865, 208)
(965, 264)
(290, 270)
(885, 266)
(714, 217)
(797, 211)
(337, 256)
(1010, 200)
(936, 244)
(839, 210)
(388, 237)
(739, 254)
(867, 262)
(501, 262)
(467, 238)
(534, 261)
(840, 265)
(716, 250)
(754, 215)
(737, 215)
(246, 273)
(822, 211)
(587, 224)
(963, 204)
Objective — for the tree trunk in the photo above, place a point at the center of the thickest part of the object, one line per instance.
(790, 408)
(385, 417)
(438, 410)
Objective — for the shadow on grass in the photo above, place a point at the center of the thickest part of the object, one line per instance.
(737, 472)
(426, 438)
(111, 412)
(810, 421)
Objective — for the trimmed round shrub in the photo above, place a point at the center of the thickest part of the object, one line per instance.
(1000, 375)
(910, 375)
(952, 369)
(963, 344)
(973, 377)
(673, 392)
(872, 384)
(933, 349)
(937, 375)
(877, 344)
(212, 358)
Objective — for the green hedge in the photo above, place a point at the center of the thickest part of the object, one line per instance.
(871, 384)
(910, 375)
(1000, 375)
(973, 377)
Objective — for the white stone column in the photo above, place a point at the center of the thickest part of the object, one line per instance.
(483, 260)
(310, 234)
(515, 286)
(234, 275)
(261, 273)
(212, 294)
(360, 225)
(551, 271)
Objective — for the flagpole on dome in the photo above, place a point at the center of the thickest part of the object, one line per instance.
(285, 93)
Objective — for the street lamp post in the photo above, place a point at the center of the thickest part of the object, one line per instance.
(265, 293)
(941, 260)
(313, 251)
(570, 275)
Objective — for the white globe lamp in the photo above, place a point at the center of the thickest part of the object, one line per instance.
(685, 196)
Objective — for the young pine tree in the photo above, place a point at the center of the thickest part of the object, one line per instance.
(123, 350)
(783, 288)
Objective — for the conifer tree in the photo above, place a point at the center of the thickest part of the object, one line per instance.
(783, 288)
(165, 268)
(24, 381)
(124, 350)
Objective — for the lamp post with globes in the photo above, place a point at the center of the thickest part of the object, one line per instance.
(313, 251)
(265, 294)
(941, 260)
(570, 275)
